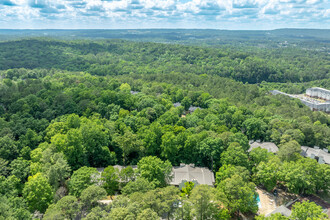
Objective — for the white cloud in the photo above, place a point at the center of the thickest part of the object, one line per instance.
(166, 12)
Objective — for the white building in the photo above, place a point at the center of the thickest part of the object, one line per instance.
(312, 94)
(317, 92)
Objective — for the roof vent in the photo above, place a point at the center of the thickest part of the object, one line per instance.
(316, 147)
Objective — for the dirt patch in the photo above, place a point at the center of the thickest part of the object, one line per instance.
(284, 198)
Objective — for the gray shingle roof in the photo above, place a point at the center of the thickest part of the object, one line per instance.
(323, 156)
(271, 147)
(134, 92)
(193, 108)
(281, 209)
(191, 173)
(201, 175)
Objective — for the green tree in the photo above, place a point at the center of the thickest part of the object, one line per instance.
(91, 195)
(31, 139)
(38, 193)
(4, 168)
(255, 128)
(293, 134)
(20, 168)
(69, 206)
(147, 214)
(126, 175)
(258, 155)
(65, 208)
(129, 143)
(125, 87)
(71, 145)
(119, 213)
(8, 148)
(238, 195)
(55, 167)
(111, 180)
(267, 173)
(96, 140)
(227, 171)
(307, 210)
(14, 208)
(139, 185)
(323, 177)
(234, 155)
(10, 186)
(303, 176)
(289, 151)
(277, 216)
(96, 214)
(81, 179)
(160, 200)
(186, 190)
(155, 170)
(210, 150)
(204, 207)
(170, 147)
(186, 103)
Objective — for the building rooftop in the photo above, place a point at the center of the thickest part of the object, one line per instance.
(193, 108)
(322, 155)
(312, 98)
(281, 209)
(271, 147)
(176, 104)
(189, 173)
(134, 92)
(319, 88)
(184, 172)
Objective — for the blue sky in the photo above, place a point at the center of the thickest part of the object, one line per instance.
(131, 14)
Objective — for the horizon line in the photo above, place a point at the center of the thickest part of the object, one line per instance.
(39, 29)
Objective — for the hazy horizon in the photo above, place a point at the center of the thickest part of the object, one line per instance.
(22, 29)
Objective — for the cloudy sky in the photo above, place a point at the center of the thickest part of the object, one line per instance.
(216, 14)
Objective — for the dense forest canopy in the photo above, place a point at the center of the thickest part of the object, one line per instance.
(119, 57)
(69, 107)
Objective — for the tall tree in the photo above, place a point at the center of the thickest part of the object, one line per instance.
(307, 210)
(289, 151)
(81, 179)
(91, 195)
(38, 193)
(234, 155)
(238, 195)
(111, 180)
(204, 205)
(155, 170)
